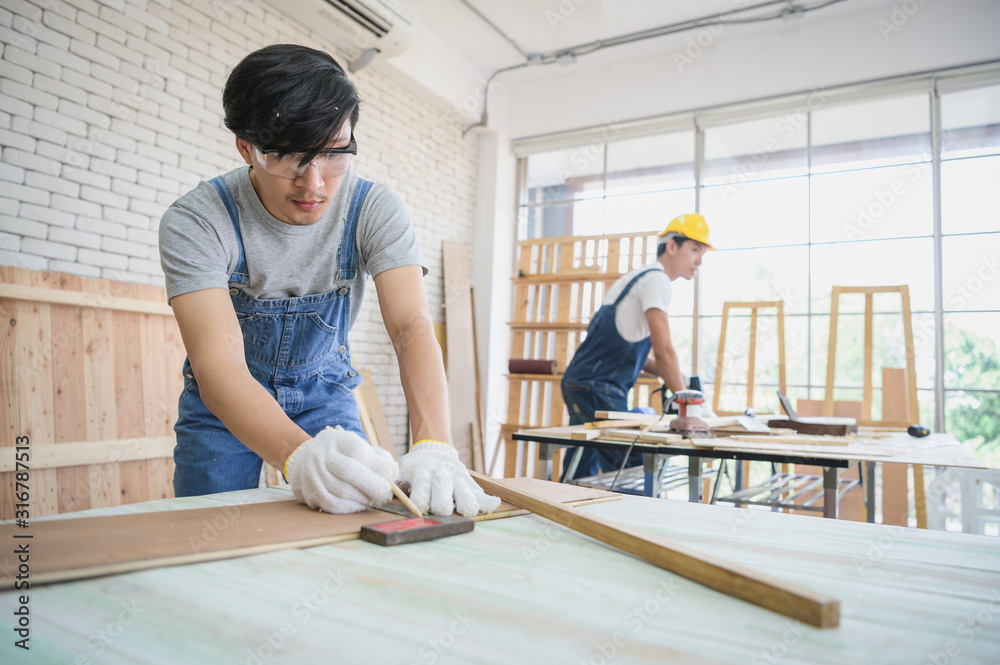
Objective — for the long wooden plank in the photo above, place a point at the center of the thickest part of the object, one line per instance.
(461, 377)
(81, 547)
(99, 300)
(82, 453)
(770, 593)
(895, 477)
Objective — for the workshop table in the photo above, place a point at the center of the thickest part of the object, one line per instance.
(522, 590)
(937, 449)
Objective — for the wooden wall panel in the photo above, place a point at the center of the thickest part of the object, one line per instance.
(81, 361)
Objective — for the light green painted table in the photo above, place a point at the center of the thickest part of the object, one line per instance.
(521, 590)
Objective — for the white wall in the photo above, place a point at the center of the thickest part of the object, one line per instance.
(110, 110)
(703, 67)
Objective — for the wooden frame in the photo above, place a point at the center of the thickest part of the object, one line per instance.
(753, 306)
(866, 400)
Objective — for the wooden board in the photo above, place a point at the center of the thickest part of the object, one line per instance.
(462, 390)
(90, 363)
(895, 477)
(76, 548)
(815, 609)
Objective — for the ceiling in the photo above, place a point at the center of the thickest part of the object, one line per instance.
(548, 26)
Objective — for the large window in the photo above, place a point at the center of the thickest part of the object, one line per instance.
(835, 192)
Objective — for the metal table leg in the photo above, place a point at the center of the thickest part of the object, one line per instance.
(694, 479)
(869, 477)
(543, 462)
(652, 483)
(573, 463)
(831, 485)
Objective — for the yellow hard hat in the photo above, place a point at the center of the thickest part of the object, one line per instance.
(691, 226)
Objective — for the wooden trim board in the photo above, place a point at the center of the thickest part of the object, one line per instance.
(768, 592)
(462, 391)
(78, 299)
(82, 453)
(76, 548)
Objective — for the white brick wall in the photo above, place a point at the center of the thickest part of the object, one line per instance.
(110, 109)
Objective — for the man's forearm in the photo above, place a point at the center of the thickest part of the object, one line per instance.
(421, 371)
(250, 413)
(669, 369)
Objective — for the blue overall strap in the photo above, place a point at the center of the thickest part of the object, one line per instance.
(347, 264)
(240, 275)
(628, 287)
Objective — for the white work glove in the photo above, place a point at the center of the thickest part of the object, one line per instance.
(339, 472)
(439, 481)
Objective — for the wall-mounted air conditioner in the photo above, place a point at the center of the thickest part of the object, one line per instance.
(360, 29)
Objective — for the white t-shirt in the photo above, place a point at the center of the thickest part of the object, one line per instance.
(651, 291)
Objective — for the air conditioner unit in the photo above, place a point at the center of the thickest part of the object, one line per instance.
(355, 26)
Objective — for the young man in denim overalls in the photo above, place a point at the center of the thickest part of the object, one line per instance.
(266, 267)
(631, 321)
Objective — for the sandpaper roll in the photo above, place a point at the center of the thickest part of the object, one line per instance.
(529, 366)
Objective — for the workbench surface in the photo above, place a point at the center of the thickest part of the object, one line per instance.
(522, 590)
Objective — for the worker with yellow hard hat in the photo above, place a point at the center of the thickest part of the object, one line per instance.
(631, 321)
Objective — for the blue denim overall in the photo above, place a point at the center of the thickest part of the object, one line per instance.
(602, 371)
(295, 347)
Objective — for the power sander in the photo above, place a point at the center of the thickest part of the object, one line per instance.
(684, 423)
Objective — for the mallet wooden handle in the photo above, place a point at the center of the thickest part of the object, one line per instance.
(770, 593)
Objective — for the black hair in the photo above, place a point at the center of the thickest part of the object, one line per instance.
(678, 240)
(291, 97)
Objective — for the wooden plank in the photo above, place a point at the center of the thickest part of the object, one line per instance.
(158, 400)
(98, 367)
(459, 317)
(895, 477)
(378, 422)
(752, 357)
(780, 304)
(10, 419)
(911, 381)
(69, 402)
(82, 453)
(128, 399)
(34, 350)
(866, 382)
(812, 608)
(154, 539)
(717, 393)
(828, 409)
(99, 300)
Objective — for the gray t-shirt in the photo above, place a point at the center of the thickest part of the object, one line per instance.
(198, 247)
